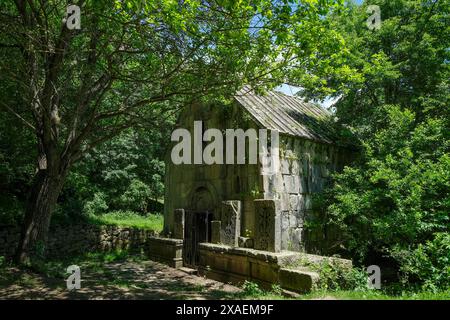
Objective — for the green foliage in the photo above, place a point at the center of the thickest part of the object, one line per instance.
(125, 173)
(399, 194)
(429, 262)
(395, 198)
(251, 289)
(334, 276)
(11, 209)
(136, 196)
(330, 276)
(276, 289)
(376, 295)
(16, 164)
(97, 205)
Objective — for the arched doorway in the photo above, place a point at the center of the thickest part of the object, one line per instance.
(197, 225)
(202, 200)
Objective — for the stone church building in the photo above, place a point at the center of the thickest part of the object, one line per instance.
(238, 205)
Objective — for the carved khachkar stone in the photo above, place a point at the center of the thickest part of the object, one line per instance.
(178, 224)
(267, 225)
(230, 222)
(215, 231)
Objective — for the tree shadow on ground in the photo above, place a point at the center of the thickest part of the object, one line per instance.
(118, 280)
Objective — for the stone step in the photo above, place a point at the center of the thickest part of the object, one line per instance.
(189, 270)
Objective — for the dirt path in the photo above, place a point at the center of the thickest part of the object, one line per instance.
(124, 280)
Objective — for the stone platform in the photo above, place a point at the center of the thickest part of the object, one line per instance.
(235, 265)
(165, 250)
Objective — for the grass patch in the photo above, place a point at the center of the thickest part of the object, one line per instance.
(153, 222)
(377, 295)
(252, 291)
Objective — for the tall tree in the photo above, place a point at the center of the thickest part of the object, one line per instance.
(135, 61)
(396, 197)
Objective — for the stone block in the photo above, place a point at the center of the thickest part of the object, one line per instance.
(284, 201)
(297, 238)
(285, 166)
(285, 230)
(267, 225)
(294, 202)
(291, 184)
(293, 220)
(287, 183)
(230, 222)
(299, 217)
(165, 250)
(302, 202)
(215, 231)
(267, 183)
(298, 280)
(295, 167)
(178, 224)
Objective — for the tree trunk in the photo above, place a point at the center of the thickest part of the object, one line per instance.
(41, 203)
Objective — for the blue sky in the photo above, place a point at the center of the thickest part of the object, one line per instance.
(291, 90)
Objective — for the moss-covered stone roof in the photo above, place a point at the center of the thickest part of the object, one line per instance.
(288, 114)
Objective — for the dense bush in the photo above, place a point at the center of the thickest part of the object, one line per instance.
(126, 173)
(429, 263)
(334, 277)
(16, 166)
(391, 206)
(136, 196)
(398, 196)
(97, 205)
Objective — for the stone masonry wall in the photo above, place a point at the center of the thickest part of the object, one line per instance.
(79, 238)
(305, 169)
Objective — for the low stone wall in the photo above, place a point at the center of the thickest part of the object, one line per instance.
(235, 265)
(9, 239)
(79, 238)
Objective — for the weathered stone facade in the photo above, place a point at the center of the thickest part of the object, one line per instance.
(270, 210)
(204, 187)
